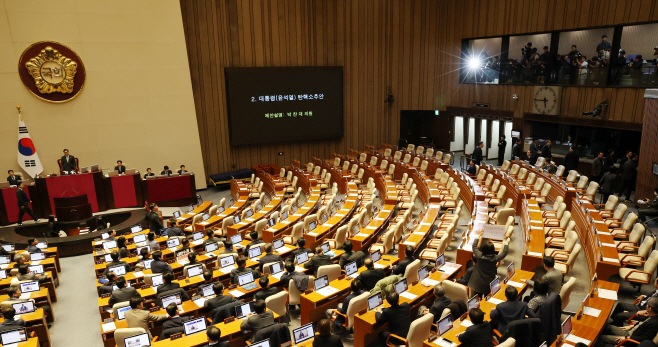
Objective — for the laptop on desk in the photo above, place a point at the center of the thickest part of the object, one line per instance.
(194, 326)
(440, 261)
(246, 281)
(121, 312)
(302, 258)
(24, 307)
(140, 340)
(303, 333)
(375, 301)
(352, 270)
(243, 310)
(12, 337)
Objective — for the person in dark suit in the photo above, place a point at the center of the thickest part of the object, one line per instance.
(289, 272)
(168, 277)
(24, 205)
(107, 287)
(253, 235)
(408, 258)
(241, 269)
(625, 310)
(350, 256)
(123, 293)
(546, 151)
(479, 334)
(440, 303)
(397, 316)
(510, 310)
(531, 157)
(607, 184)
(214, 334)
(13, 179)
(182, 170)
(8, 313)
(120, 167)
(502, 144)
(266, 290)
(318, 259)
(174, 229)
(32, 246)
(269, 257)
(471, 169)
(159, 266)
(116, 261)
(477, 153)
(68, 161)
(571, 160)
(597, 167)
(175, 321)
(228, 248)
(301, 242)
(148, 173)
(628, 177)
(370, 276)
(643, 331)
(517, 149)
(485, 269)
(219, 300)
(324, 337)
(155, 222)
(258, 320)
(211, 237)
(166, 171)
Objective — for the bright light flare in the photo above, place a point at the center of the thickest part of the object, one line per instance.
(474, 63)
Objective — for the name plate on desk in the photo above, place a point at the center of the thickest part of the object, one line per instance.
(175, 336)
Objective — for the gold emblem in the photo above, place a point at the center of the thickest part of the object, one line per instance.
(52, 72)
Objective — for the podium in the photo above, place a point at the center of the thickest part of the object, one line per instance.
(72, 208)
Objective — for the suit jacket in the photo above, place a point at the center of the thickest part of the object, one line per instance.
(21, 197)
(175, 231)
(510, 311)
(643, 331)
(106, 288)
(217, 301)
(168, 286)
(159, 266)
(571, 161)
(472, 170)
(11, 324)
(155, 223)
(327, 341)
(167, 172)
(477, 155)
(317, 261)
(346, 304)
(298, 251)
(485, 269)
(211, 240)
(546, 152)
(478, 335)
(402, 266)
(180, 172)
(31, 277)
(501, 147)
(175, 322)
(68, 165)
(285, 278)
(124, 294)
(369, 278)
(235, 273)
(554, 279)
(220, 313)
(162, 293)
(597, 166)
(218, 344)
(398, 319)
(149, 174)
(141, 318)
(439, 305)
(121, 169)
(516, 150)
(607, 183)
(13, 180)
(268, 258)
(257, 321)
(629, 171)
(33, 249)
(265, 293)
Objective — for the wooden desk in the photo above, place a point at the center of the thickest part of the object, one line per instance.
(35, 322)
(422, 231)
(532, 225)
(604, 259)
(49, 284)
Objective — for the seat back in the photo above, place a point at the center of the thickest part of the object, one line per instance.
(407, 158)
(383, 165)
(573, 256)
(570, 241)
(430, 152)
(416, 161)
(294, 294)
(539, 184)
(650, 264)
(560, 210)
(391, 170)
(447, 158)
(620, 211)
(332, 271)
(423, 165)
(565, 292)
(560, 171)
(540, 161)
(397, 155)
(439, 155)
(510, 222)
(505, 165)
(337, 161)
(341, 234)
(419, 330)
(297, 232)
(456, 291)
(259, 226)
(121, 334)
(346, 165)
(515, 169)
(373, 161)
(495, 186)
(387, 152)
(489, 179)
(410, 147)
(630, 220)
(531, 179)
(582, 182)
(545, 190)
(356, 304)
(566, 218)
(213, 210)
(523, 173)
(572, 176)
(501, 192)
(611, 202)
(388, 241)
(510, 342)
(278, 302)
(509, 203)
(481, 174)
(637, 233)
(646, 246)
(420, 149)
(591, 190)
(411, 272)
(308, 220)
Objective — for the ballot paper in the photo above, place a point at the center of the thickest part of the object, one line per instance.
(138, 274)
(408, 295)
(197, 242)
(516, 284)
(236, 293)
(362, 235)
(575, 339)
(429, 282)
(607, 294)
(327, 291)
(611, 260)
(535, 254)
(312, 234)
(109, 327)
(278, 275)
(200, 302)
(494, 301)
(227, 269)
(379, 266)
(590, 311)
(466, 323)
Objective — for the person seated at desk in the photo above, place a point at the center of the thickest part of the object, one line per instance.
(258, 320)
(266, 290)
(112, 235)
(624, 310)
(289, 273)
(324, 338)
(220, 299)
(350, 256)
(253, 235)
(318, 259)
(138, 317)
(123, 293)
(182, 170)
(159, 266)
(5, 252)
(470, 266)
(510, 310)
(13, 179)
(174, 321)
(68, 162)
(166, 171)
(120, 168)
(115, 262)
(191, 258)
(553, 276)
(649, 207)
(479, 334)
(397, 316)
(32, 246)
(144, 255)
(174, 229)
(168, 277)
(123, 249)
(370, 276)
(108, 286)
(471, 169)
(532, 157)
(486, 267)
(155, 222)
(541, 294)
(148, 173)
(214, 334)
(269, 257)
(642, 331)
(24, 274)
(207, 279)
(357, 289)
(185, 246)
(100, 224)
(408, 258)
(301, 242)
(241, 269)
(211, 237)
(550, 167)
(228, 248)
(440, 303)
(10, 323)
(151, 242)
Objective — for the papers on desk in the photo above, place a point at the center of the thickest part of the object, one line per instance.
(24, 296)
(608, 245)
(419, 233)
(200, 302)
(197, 242)
(327, 291)
(281, 249)
(36, 262)
(590, 311)
(466, 323)
(535, 254)
(108, 326)
(299, 269)
(236, 293)
(429, 282)
(227, 269)
(515, 284)
(312, 234)
(611, 260)
(371, 227)
(285, 222)
(443, 342)
(379, 266)
(361, 235)
(603, 233)
(278, 276)
(575, 339)
(181, 218)
(494, 301)
(138, 274)
(408, 295)
(607, 294)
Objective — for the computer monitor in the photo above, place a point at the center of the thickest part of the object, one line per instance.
(249, 213)
(401, 286)
(495, 286)
(243, 310)
(236, 219)
(245, 279)
(474, 302)
(23, 307)
(29, 287)
(42, 244)
(226, 261)
(566, 327)
(312, 225)
(9, 247)
(375, 301)
(264, 343)
(423, 272)
(254, 252)
(140, 340)
(13, 336)
(103, 236)
(196, 270)
(173, 242)
(3, 274)
(293, 209)
(157, 280)
(139, 238)
(303, 333)
(207, 290)
(302, 258)
(375, 256)
(108, 258)
(121, 312)
(445, 325)
(351, 268)
(37, 269)
(175, 298)
(139, 249)
(147, 264)
(231, 202)
(110, 244)
(510, 270)
(194, 326)
(220, 209)
(278, 243)
(325, 247)
(197, 235)
(135, 229)
(5, 259)
(321, 282)
(211, 247)
(205, 217)
(37, 256)
(236, 239)
(190, 208)
(176, 214)
(440, 261)
(118, 270)
(284, 215)
(276, 268)
(271, 222)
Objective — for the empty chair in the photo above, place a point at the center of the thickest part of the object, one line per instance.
(346, 165)
(565, 292)
(439, 155)
(383, 165)
(336, 162)
(423, 166)
(639, 277)
(620, 211)
(636, 259)
(561, 229)
(411, 272)
(590, 193)
(397, 155)
(341, 234)
(297, 232)
(407, 158)
(430, 152)
(310, 167)
(623, 231)
(565, 267)
(505, 165)
(387, 152)
(560, 171)
(571, 177)
(504, 214)
(278, 303)
(514, 170)
(419, 331)
(564, 246)
(356, 304)
(385, 246)
(420, 150)
(332, 271)
(410, 147)
(416, 162)
(391, 171)
(608, 207)
(633, 239)
(373, 161)
(582, 183)
(499, 197)
(543, 196)
(494, 215)
(447, 158)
